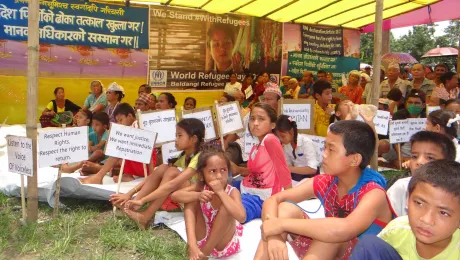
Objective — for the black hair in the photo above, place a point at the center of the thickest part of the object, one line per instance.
(442, 65)
(320, 86)
(452, 101)
(171, 99)
(87, 113)
(229, 30)
(192, 99)
(248, 76)
(147, 87)
(120, 95)
(231, 74)
(441, 118)
(204, 157)
(262, 73)
(417, 93)
(124, 109)
(102, 117)
(285, 124)
(57, 89)
(358, 138)
(447, 76)
(193, 127)
(154, 97)
(442, 141)
(443, 174)
(228, 97)
(321, 72)
(395, 94)
(272, 114)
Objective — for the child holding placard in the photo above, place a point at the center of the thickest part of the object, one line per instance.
(83, 118)
(267, 172)
(299, 150)
(213, 210)
(425, 147)
(352, 195)
(125, 115)
(190, 134)
(98, 138)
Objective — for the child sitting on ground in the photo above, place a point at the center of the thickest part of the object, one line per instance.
(124, 114)
(83, 118)
(97, 139)
(213, 210)
(301, 156)
(431, 228)
(444, 122)
(353, 197)
(166, 179)
(425, 147)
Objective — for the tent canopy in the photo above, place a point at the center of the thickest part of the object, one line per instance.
(345, 13)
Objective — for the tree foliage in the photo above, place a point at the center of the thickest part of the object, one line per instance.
(417, 42)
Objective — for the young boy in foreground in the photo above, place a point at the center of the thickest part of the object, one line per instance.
(431, 229)
(124, 115)
(425, 147)
(353, 197)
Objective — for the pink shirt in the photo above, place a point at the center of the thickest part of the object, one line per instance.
(269, 171)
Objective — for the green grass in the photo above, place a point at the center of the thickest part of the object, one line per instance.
(86, 230)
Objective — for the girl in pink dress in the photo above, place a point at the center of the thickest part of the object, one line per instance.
(267, 172)
(213, 209)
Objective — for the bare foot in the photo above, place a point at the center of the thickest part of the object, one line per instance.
(141, 221)
(94, 179)
(90, 167)
(125, 178)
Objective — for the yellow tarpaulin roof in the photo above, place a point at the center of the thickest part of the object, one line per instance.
(345, 13)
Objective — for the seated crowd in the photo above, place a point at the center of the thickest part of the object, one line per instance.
(418, 217)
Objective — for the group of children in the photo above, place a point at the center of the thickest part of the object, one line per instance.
(353, 196)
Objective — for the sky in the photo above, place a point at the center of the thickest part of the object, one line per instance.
(398, 33)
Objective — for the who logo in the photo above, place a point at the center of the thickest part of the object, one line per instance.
(158, 78)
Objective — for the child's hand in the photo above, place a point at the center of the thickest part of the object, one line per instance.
(271, 227)
(206, 196)
(406, 165)
(119, 199)
(277, 249)
(216, 186)
(194, 253)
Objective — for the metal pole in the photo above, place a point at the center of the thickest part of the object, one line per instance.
(32, 104)
(375, 91)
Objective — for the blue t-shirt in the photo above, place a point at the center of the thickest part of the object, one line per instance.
(306, 89)
(93, 138)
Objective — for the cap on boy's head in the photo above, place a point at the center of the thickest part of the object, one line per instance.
(384, 101)
(358, 138)
(354, 72)
(447, 146)
(115, 87)
(124, 109)
(273, 88)
(320, 86)
(102, 117)
(442, 174)
(417, 93)
(145, 98)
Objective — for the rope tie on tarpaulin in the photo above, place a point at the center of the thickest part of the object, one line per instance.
(429, 14)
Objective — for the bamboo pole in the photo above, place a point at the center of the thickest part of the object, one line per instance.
(32, 104)
(376, 64)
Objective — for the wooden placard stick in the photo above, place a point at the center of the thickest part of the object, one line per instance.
(398, 149)
(23, 199)
(144, 166)
(58, 189)
(219, 124)
(120, 176)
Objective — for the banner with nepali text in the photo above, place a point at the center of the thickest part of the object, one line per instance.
(78, 23)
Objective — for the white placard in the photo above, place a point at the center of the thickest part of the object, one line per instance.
(248, 92)
(381, 121)
(130, 143)
(402, 130)
(205, 117)
(62, 145)
(301, 113)
(161, 122)
(320, 143)
(230, 118)
(430, 109)
(169, 151)
(249, 141)
(399, 131)
(20, 155)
